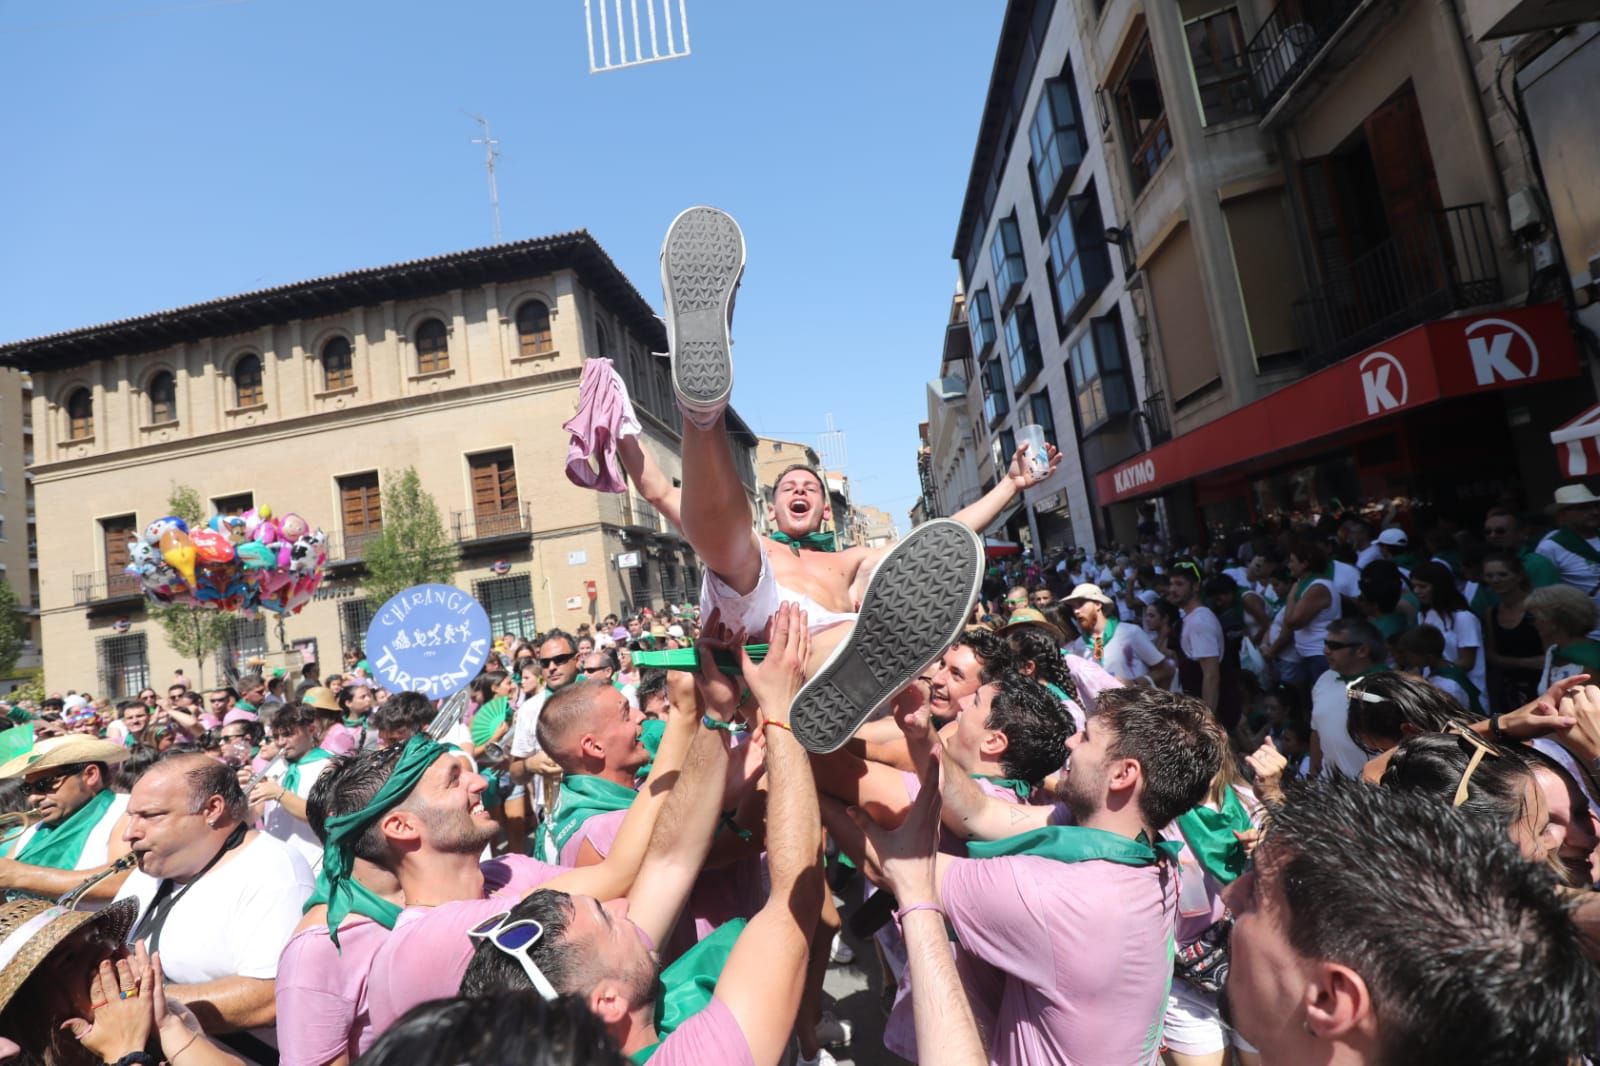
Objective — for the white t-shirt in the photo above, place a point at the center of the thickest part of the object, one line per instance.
(1575, 570)
(1463, 631)
(296, 832)
(235, 920)
(1127, 656)
(1309, 638)
(1202, 634)
(1346, 580)
(1330, 720)
(1371, 553)
(1449, 688)
(525, 736)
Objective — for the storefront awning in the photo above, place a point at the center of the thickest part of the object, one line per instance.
(1578, 444)
(1438, 361)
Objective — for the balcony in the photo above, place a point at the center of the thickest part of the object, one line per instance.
(106, 589)
(1441, 262)
(473, 531)
(1301, 43)
(1152, 415)
(347, 549)
(631, 511)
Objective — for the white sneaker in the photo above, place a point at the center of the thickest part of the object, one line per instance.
(702, 259)
(833, 1031)
(841, 954)
(823, 1059)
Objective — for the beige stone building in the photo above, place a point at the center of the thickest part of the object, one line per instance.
(876, 526)
(16, 505)
(307, 398)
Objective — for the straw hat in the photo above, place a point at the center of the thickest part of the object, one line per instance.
(1574, 496)
(1088, 591)
(322, 699)
(74, 749)
(31, 928)
(1028, 616)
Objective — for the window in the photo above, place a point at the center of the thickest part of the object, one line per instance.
(433, 347)
(1098, 367)
(1080, 265)
(1143, 116)
(1043, 417)
(355, 618)
(242, 641)
(1221, 76)
(1005, 446)
(237, 504)
(1005, 255)
(1056, 136)
(247, 388)
(115, 534)
(338, 371)
(533, 328)
(995, 403)
(361, 510)
(980, 321)
(602, 340)
(163, 393)
(80, 415)
(494, 493)
(509, 604)
(1022, 345)
(124, 664)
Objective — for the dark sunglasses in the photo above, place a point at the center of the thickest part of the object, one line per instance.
(558, 660)
(46, 786)
(1339, 645)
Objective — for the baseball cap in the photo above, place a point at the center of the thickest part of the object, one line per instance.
(1394, 538)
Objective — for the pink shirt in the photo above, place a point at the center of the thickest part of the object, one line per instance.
(426, 955)
(711, 1036)
(600, 831)
(340, 740)
(1085, 950)
(322, 992)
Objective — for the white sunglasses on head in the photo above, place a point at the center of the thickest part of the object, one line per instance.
(517, 938)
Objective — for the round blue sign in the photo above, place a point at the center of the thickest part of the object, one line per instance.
(431, 639)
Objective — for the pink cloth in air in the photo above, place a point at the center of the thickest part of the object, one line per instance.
(604, 416)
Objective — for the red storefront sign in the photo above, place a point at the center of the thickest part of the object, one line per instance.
(1440, 360)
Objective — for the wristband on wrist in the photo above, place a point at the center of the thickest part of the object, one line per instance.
(1495, 731)
(726, 727)
(900, 915)
(780, 725)
(138, 1058)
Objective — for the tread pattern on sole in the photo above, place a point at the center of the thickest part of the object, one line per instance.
(701, 262)
(915, 605)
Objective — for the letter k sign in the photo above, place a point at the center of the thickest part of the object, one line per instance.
(1491, 352)
(1383, 383)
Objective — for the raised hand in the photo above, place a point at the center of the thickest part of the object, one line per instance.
(121, 1009)
(1021, 472)
(1268, 764)
(779, 676)
(1546, 714)
(902, 859)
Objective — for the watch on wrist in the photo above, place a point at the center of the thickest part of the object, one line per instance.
(1495, 731)
(138, 1058)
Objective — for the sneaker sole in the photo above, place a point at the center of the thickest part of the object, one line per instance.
(915, 606)
(702, 260)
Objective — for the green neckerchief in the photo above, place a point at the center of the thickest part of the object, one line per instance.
(650, 734)
(354, 723)
(1390, 625)
(1575, 544)
(817, 542)
(344, 893)
(1581, 652)
(291, 777)
(60, 846)
(1209, 835)
(1098, 652)
(1076, 843)
(1010, 784)
(488, 719)
(688, 984)
(582, 796)
(1541, 572)
(246, 706)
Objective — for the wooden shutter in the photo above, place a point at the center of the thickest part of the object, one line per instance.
(494, 484)
(360, 504)
(118, 532)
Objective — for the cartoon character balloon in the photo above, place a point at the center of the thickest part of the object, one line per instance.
(232, 562)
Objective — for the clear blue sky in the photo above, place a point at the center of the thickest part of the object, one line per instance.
(161, 153)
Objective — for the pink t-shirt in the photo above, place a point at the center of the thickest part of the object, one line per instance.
(711, 1036)
(1086, 949)
(427, 954)
(322, 992)
(600, 831)
(340, 740)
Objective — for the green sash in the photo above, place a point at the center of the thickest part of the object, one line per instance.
(344, 894)
(291, 777)
(582, 796)
(1576, 545)
(688, 984)
(1460, 677)
(488, 719)
(1584, 653)
(1010, 784)
(650, 734)
(60, 846)
(1542, 573)
(817, 542)
(1209, 835)
(1390, 625)
(1076, 843)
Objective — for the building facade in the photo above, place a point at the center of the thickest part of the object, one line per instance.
(18, 565)
(310, 398)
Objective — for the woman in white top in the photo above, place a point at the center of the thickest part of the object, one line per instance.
(1312, 605)
(1446, 609)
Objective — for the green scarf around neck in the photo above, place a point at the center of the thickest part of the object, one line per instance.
(582, 796)
(291, 777)
(60, 846)
(1576, 544)
(817, 542)
(1209, 835)
(345, 894)
(687, 985)
(1010, 784)
(1076, 843)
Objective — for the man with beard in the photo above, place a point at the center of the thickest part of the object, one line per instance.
(79, 831)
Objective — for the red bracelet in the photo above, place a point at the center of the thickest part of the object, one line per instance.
(900, 915)
(780, 725)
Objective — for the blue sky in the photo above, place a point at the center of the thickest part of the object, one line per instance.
(163, 153)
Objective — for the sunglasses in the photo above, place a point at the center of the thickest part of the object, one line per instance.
(1339, 645)
(558, 660)
(1479, 751)
(517, 938)
(49, 785)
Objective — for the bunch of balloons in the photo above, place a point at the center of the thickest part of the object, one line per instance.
(247, 562)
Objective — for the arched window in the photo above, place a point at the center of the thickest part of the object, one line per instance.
(247, 390)
(80, 415)
(602, 343)
(533, 328)
(163, 394)
(433, 347)
(337, 373)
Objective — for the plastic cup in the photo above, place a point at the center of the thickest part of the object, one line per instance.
(1033, 437)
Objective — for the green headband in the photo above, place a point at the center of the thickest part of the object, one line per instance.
(343, 893)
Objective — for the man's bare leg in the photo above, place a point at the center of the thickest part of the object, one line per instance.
(715, 511)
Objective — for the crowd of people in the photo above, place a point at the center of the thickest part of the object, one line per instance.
(1092, 817)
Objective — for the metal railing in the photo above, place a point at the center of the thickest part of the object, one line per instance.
(102, 586)
(1288, 41)
(469, 525)
(1442, 261)
(632, 511)
(1153, 416)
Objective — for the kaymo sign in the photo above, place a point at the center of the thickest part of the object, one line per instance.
(1437, 361)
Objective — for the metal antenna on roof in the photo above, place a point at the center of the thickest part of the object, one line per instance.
(832, 448)
(491, 152)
